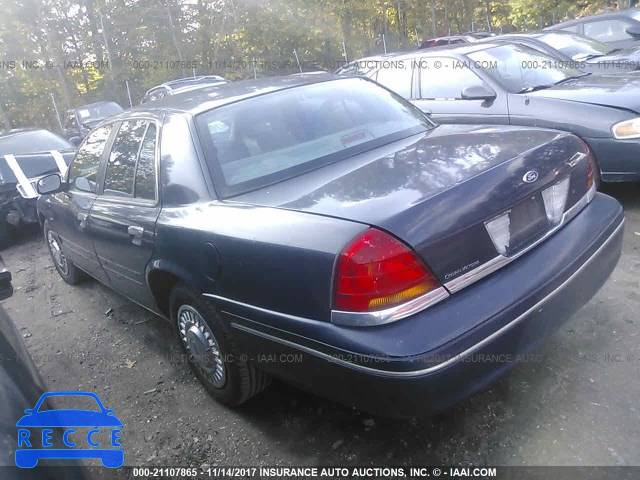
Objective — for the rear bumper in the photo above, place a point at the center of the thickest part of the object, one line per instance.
(468, 340)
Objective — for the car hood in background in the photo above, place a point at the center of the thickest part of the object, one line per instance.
(619, 91)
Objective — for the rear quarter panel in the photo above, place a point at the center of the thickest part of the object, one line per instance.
(269, 258)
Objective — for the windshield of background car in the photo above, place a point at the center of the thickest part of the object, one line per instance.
(575, 46)
(32, 142)
(519, 68)
(270, 138)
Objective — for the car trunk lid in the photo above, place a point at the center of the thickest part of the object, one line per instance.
(436, 192)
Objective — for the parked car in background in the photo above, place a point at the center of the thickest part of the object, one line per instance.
(480, 35)
(182, 85)
(508, 84)
(328, 218)
(620, 28)
(577, 51)
(79, 121)
(25, 156)
(450, 40)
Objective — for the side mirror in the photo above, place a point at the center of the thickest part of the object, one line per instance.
(49, 184)
(75, 141)
(633, 30)
(478, 92)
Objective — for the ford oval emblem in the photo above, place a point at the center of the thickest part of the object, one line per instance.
(530, 177)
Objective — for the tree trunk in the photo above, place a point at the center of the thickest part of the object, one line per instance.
(6, 122)
(487, 5)
(174, 38)
(107, 49)
(434, 30)
(447, 28)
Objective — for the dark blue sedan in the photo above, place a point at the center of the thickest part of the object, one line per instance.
(324, 231)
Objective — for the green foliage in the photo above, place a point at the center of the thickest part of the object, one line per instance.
(89, 50)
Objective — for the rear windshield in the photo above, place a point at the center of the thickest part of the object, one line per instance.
(32, 142)
(267, 139)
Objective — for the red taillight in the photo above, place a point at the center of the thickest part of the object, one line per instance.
(590, 176)
(376, 271)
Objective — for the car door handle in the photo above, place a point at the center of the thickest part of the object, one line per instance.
(136, 232)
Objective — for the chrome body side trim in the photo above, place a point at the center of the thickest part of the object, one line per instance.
(449, 361)
(501, 260)
(368, 319)
(259, 309)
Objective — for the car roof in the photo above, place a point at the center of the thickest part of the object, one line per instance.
(517, 35)
(95, 104)
(21, 131)
(627, 12)
(455, 50)
(217, 95)
(179, 82)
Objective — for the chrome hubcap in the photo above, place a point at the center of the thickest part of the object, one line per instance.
(56, 253)
(201, 345)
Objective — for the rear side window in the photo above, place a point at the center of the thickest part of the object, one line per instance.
(608, 30)
(83, 172)
(397, 78)
(145, 186)
(572, 28)
(121, 166)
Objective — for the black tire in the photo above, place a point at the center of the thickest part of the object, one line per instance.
(241, 380)
(65, 267)
(5, 235)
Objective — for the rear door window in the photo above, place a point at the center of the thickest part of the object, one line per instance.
(145, 183)
(397, 78)
(121, 164)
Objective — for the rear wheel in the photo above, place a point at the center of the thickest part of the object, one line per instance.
(225, 373)
(65, 267)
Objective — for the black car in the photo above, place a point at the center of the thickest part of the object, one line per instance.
(579, 52)
(25, 156)
(182, 85)
(20, 388)
(79, 121)
(509, 84)
(323, 230)
(620, 28)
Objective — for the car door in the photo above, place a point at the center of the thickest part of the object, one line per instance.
(439, 94)
(124, 213)
(612, 31)
(70, 209)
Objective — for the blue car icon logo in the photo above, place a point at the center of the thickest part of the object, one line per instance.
(83, 433)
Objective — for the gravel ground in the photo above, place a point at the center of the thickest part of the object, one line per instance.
(578, 406)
